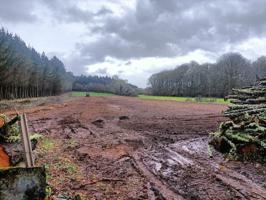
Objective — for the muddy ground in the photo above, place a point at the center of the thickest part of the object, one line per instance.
(127, 148)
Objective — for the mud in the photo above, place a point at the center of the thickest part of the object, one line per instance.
(126, 148)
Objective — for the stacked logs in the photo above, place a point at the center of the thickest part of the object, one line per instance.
(244, 136)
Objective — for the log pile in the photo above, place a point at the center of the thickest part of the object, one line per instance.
(244, 136)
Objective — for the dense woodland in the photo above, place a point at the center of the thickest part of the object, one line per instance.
(26, 73)
(104, 84)
(231, 70)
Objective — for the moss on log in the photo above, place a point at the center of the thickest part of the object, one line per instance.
(22, 184)
(244, 137)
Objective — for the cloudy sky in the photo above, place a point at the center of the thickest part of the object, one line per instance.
(135, 38)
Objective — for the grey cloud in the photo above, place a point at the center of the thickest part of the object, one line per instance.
(76, 64)
(17, 11)
(114, 46)
(65, 10)
(128, 63)
(103, 11)
(68, 11)
(75, 14)
(155, 28)
(170, 28)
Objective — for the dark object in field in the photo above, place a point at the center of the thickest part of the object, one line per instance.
(99, 123)
(23, 184)
(87, 94)
(124, 117)
(244, 137)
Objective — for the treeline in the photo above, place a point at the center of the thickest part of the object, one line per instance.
(26, 73)
(231, 70)
(104, 84)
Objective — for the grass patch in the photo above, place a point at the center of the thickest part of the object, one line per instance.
(72, 143)
(36, 136)
(47, 144)
(92, 94)
(62, 169)
(185, 99)
(67, 166)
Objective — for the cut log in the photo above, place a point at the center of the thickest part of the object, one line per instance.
(14, 152)
(262, 82)
(4, 158)
(239, 113)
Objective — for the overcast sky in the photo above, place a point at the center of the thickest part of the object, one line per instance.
(135, 38)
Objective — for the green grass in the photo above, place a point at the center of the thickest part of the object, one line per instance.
(162, 98)
(47, 144)
(92, 94)
(185, 99)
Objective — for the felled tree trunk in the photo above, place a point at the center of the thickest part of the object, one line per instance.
(12, 153)
(4, 158)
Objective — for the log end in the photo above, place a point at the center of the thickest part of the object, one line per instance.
(4, 158)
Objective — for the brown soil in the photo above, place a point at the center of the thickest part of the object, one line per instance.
(126, 148)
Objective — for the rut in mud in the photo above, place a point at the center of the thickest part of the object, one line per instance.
(126, 148)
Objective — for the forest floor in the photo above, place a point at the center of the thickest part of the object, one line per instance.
(128, 148)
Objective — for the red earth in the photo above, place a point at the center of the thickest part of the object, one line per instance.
(127, 148)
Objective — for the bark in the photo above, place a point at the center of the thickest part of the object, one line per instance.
(244, 137)
(14, 152)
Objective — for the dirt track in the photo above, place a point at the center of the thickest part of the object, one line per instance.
(126, 148)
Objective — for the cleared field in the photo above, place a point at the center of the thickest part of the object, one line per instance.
(185, 99)
(93, 94)
(128, 148)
